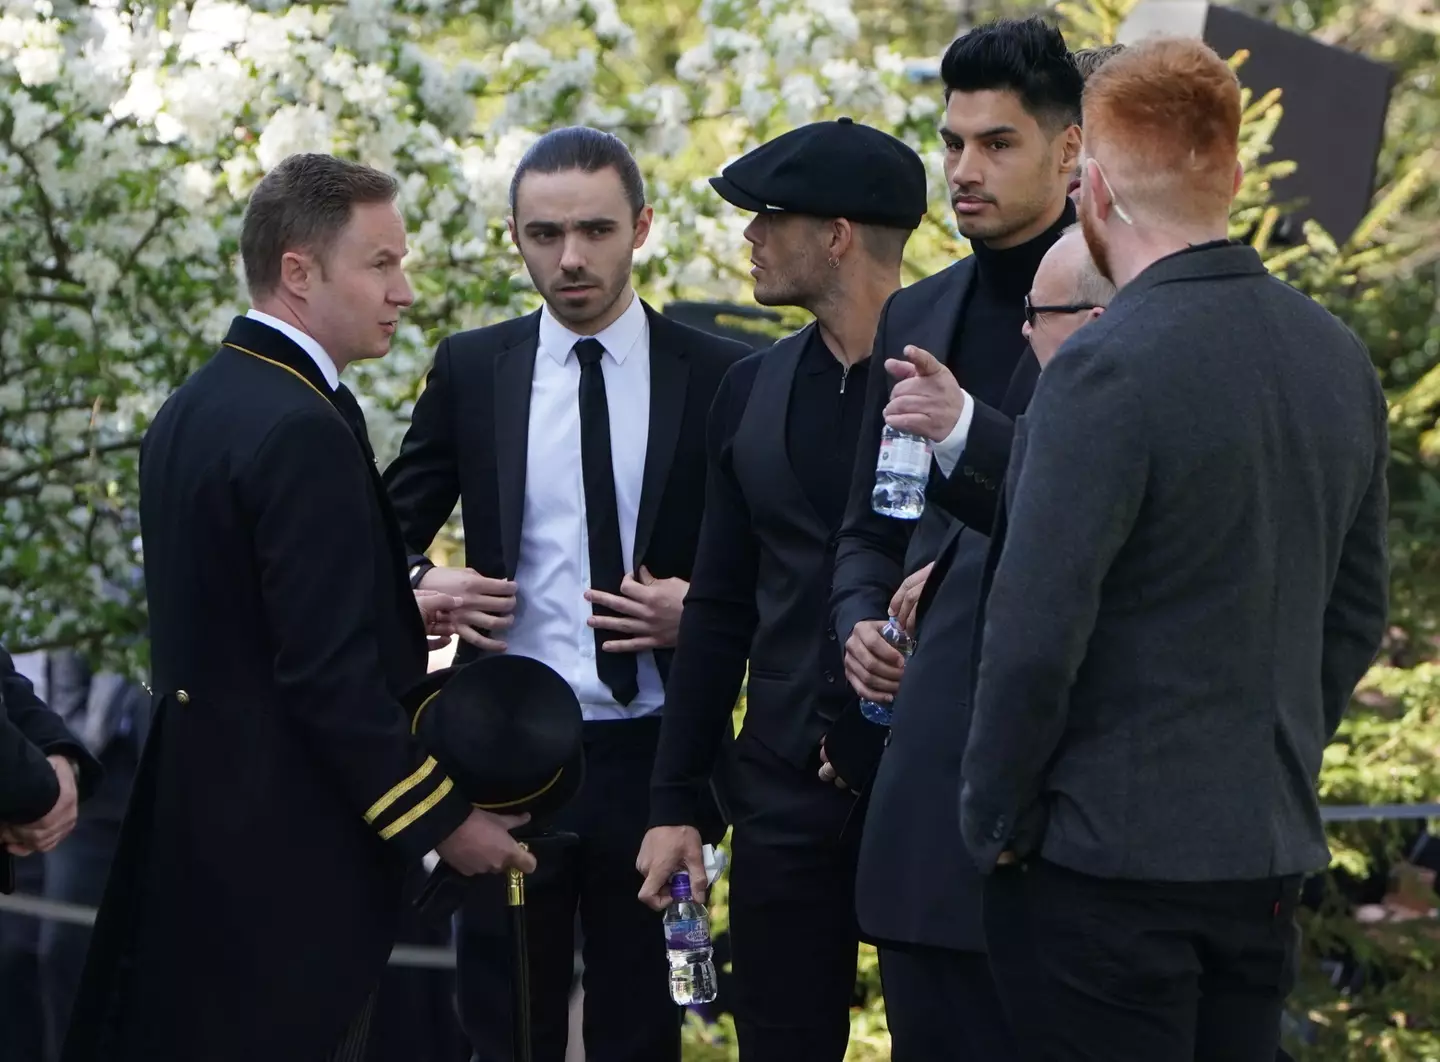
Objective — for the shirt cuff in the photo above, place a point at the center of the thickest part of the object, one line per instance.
(949, 450)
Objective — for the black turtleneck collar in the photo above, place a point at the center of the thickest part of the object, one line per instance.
(1011, 272)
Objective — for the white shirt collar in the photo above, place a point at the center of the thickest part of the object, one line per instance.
(305, 342)
(618, 338)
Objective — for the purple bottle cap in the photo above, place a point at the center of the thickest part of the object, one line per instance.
(680, 885)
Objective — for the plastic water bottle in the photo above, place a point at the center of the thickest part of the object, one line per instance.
(901, 473)
(895, 634)
(687, 943)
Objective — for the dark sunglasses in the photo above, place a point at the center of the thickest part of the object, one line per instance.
(1032, 311)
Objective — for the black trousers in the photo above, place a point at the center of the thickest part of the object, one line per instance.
(942, 1006)
(793, 934)
(629, 1016)
(1113, 971)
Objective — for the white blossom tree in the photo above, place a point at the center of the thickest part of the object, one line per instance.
(131, 135)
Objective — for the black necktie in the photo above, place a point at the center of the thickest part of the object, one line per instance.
(350, 409)
(602, 516)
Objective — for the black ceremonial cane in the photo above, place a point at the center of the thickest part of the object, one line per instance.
(519, 961)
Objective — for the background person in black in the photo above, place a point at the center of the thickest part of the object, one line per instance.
(280, 796)
(835, 203)
(1012, 142)
(574, 438)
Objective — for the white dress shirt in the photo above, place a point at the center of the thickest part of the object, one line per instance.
(307, 343)
(553, 572)
(949, 450)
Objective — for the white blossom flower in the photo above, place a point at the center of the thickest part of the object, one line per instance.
(292, 130)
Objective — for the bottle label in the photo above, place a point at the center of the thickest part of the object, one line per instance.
(687, 934)
(904, 455)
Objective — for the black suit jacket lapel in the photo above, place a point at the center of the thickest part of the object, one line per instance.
(669, 378)
(935, 330)
(514, 375)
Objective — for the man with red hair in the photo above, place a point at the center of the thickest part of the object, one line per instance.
(1192, 581)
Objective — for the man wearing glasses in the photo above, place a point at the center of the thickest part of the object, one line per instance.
(1068, 292)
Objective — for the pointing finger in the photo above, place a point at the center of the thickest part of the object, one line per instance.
(900, 369)
(926, 364)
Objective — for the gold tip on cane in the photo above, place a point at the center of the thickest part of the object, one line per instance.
(515, 883)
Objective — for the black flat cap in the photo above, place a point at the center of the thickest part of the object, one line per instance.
(838, 169)
(506, 729)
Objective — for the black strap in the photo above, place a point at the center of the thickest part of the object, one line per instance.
(602, 516)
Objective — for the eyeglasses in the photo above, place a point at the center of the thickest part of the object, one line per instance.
(1032, 311)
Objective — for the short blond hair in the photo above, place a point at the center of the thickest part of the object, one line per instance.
(1163, 120)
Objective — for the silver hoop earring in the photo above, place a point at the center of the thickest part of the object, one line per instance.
(834, 263)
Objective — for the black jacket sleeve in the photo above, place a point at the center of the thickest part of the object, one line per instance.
(424, 481)
(1084, 469)
(716, 627)
(870, 549)
(1356, 613)
(30, 732)
(312, 494)
(971, 493)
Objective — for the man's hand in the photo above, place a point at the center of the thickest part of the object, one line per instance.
(649, 612)
(44, 834)
(872, 664)
(437, 610)
(486, 605)
(828, 772)
(907, 598)
(482, 845)
(665, 850)
(927, 400)
(10, 841)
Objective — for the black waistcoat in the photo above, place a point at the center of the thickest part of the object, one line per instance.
(797, 685)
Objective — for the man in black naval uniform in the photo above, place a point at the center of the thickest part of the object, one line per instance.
(256, 891)
(574, 439)
(1012, 141)
(835, 204)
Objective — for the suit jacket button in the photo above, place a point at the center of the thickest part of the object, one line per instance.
(830, 634)
(997, 834)
(969, 472)
(182, 697)
(830, 676)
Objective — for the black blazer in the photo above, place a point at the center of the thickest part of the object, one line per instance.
(1189, 579)
(280, 795)
(915, 883)
(467, 442)
(29, 732)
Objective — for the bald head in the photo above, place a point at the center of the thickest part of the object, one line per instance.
(1069, 284)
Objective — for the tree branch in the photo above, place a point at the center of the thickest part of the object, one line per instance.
(72, 458)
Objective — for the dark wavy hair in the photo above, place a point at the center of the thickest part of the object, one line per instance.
(1025, 56)
(578, 147)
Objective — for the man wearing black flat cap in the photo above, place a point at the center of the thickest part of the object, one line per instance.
(835, 203)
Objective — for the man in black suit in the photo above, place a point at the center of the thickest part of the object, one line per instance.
(1193, 579)
(280, 796)
(835, 203)
(1012, 138)
(574, 439)
(45, 771)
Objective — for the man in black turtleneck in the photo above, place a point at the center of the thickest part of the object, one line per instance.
(1012, 140)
